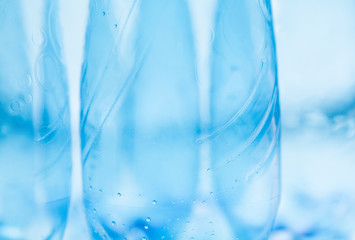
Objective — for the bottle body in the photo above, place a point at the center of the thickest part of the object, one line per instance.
(179, 120)
(35, 159)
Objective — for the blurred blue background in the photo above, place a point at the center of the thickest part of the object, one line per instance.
(316, 63)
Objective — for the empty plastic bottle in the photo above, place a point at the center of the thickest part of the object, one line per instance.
(35, 152)
(180, 120)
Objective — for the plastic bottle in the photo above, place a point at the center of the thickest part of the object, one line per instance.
(35, 152)
(180, 120)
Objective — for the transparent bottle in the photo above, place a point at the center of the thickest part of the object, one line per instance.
(35, 151)
(180, 120)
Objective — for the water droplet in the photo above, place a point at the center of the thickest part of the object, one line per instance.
(15, 106)
(208, 169)
(27, 98)
(94, 210)
(115, 25)
(236, 180)
(119, 194)
(211, 193)
(100, 190)
(39, 38)
(162, 237)
(148, 219)
(123, 225)
(103, 13)
(113, 223)
(25, 82)
(187, 222)
(203, 202)
(144, 238)
(212, 235)
(154, 202)
(210, 222)
(90, 188)
(146, 227)
(211, 35)
(48, 71)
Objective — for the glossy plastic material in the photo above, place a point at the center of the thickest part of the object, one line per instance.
(180, 120)
(35, 152)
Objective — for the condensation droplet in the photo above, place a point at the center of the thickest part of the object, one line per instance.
(211, 35)
(211, 193)
(103, 13)
(15, 106)
(39, 38)
(119, 194)
(28, 81)
(48, 71)
(154, 202)
(100, 190)
(116, 25)
(208, 169)
(146, 227)
(25, 82)
(148, 219)
(144, 238)
(113, 223)
(27, 98)
(90, 188)
(94, 210)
